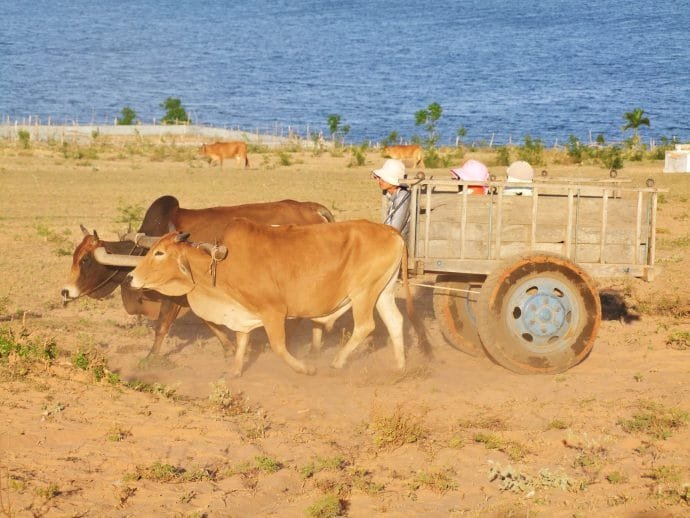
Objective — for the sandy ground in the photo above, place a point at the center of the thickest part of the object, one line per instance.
(451, 436)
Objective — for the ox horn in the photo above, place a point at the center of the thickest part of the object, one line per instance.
(102, 256)
(140, 239)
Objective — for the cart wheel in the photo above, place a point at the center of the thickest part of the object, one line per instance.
(454, 308)
(538, 314)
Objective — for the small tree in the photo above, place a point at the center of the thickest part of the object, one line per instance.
(612, 159)
(429, 118)
(635, 118)
(174, 112)
(335, 129)
(391, 139)
(128, 116)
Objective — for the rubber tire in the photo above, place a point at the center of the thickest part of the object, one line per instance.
(548, 281)
(455, 312)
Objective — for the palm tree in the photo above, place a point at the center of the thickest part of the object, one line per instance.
(635, 119)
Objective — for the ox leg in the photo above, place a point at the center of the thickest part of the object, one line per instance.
(240, 353)
(316, 337)
(363, 316)
(222, 335)
(168, 314)
(276, 337)
(392, 318)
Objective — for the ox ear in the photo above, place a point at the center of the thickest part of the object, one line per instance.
(185, 268)
(182, 236)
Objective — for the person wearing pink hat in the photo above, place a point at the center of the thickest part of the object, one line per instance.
(473, 170)
(396, 193)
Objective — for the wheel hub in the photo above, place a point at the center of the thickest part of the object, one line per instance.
(544, 315)
(541, 313)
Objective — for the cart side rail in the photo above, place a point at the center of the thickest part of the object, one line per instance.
(608, 228)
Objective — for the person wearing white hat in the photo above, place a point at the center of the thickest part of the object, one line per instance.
(397, 195)
(519, 172)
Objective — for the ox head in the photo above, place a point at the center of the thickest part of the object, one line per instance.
(166, 268)
(98, 267)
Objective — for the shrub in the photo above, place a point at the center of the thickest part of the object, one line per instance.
(174, 112)
(128, 116)
(532, 151)
(24, 138)
(328, 506)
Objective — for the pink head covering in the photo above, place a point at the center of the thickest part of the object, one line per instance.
(472, 170)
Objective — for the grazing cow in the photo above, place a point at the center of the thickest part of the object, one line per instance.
(411, 153)
(275, 273)
(94, 279)
(220, 150)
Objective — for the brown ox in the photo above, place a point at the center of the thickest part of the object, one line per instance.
(275, 273)
(409, 154)
(221, 150)
(90, 277)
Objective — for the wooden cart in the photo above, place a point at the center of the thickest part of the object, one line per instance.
(513, 274)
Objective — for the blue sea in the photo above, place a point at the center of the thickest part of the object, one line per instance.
(501, 69)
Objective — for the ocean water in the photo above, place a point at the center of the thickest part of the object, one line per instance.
(499, 68)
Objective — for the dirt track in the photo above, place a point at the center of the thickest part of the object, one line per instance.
(453, 436)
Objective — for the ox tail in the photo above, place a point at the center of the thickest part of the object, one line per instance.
(246, 161)
(325, 214)
(424, 342)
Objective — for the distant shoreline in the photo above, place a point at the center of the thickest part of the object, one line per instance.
(85, 132)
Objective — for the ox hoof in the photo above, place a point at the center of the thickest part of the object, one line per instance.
(308, 369)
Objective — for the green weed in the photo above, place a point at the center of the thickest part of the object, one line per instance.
(438, 481)
(320, 464)
(654, 420)
(92, 361)
(117, 434)
(61, 241)
(129, 215)
(328, 506)
(163, 472)
(155, 388)
(227, 402)
(267, 464)
(392, 431)
(679, 340)
(616, 477)
(49, 492)
(557, 424)
(513, 449)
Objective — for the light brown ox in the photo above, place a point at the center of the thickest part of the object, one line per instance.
(411, 154)
(275, 273)
(221, 150)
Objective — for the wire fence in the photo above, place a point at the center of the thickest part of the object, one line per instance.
(72, 131)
